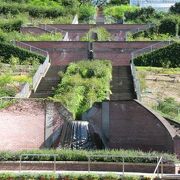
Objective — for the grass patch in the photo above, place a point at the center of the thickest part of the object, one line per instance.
(159, 70)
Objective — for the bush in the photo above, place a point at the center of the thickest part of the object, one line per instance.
(169, 25)
(14, 25)
(82, 155)
(67, 176)
(119, 11)
(86, 11)
(33, 11)
(143, 15)
(7, 51)
(164, 57)
(83, 84)
(176, 8)
(102, 35)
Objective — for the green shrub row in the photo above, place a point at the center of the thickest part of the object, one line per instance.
(143, 15)
(14, 25)
(34, 11)
(68, 176)
(165, 57)
(82, 155)
(8, 50)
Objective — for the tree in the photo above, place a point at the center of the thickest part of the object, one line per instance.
(176, 8)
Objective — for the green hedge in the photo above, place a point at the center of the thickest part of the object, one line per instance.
(67, 176)
(14, 25)
(82, 155)
(34, 11)
(8, 50)
(164, 57)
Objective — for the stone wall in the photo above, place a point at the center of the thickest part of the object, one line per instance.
(132, 126)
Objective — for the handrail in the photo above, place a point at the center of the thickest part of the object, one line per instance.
(151, 48)
(42, 69)
(30, 48)
(137, 30)
(54, 155)
(157, 167)
(138, 52)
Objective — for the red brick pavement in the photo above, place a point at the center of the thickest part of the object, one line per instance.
(22, 126)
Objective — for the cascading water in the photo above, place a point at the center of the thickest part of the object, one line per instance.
(76, 135)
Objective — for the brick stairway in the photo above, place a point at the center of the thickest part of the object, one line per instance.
(122, 87)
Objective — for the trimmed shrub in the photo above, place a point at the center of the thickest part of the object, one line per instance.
(33, 11)
(119, 11)
(164, 57)
(86, 11)
(143, 15)
(67, 176)
(7, 51)
(14, 25)
(82, 155)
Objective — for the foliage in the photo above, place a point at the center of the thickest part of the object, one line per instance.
(118, 2)
(83, 84)
(170, 25)
(34, 11)
(176, 8)
(164, 57)
(82, 155)
(170, 108)
(143, 15)
(86, 11)
(13, 25)
(159, 70)
(102, 35)
(31, 37)
(7, 51)
(67, 176)
(119, 11)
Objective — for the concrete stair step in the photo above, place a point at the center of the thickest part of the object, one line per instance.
(41, 94)
(122, 96)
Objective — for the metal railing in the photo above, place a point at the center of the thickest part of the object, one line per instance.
(140, 52)
(42, 69)
(160, 162)
(150, 48)
(30, 48)
(38, 155)
(137, 30)
(123, 161)
(91, 159)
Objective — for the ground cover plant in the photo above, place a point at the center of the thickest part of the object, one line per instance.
(169, 108)
(83, 84)
(68, 176)
(102, 35)
(82, 155)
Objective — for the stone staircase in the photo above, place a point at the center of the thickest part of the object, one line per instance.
(122, 87)
(48, 83)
